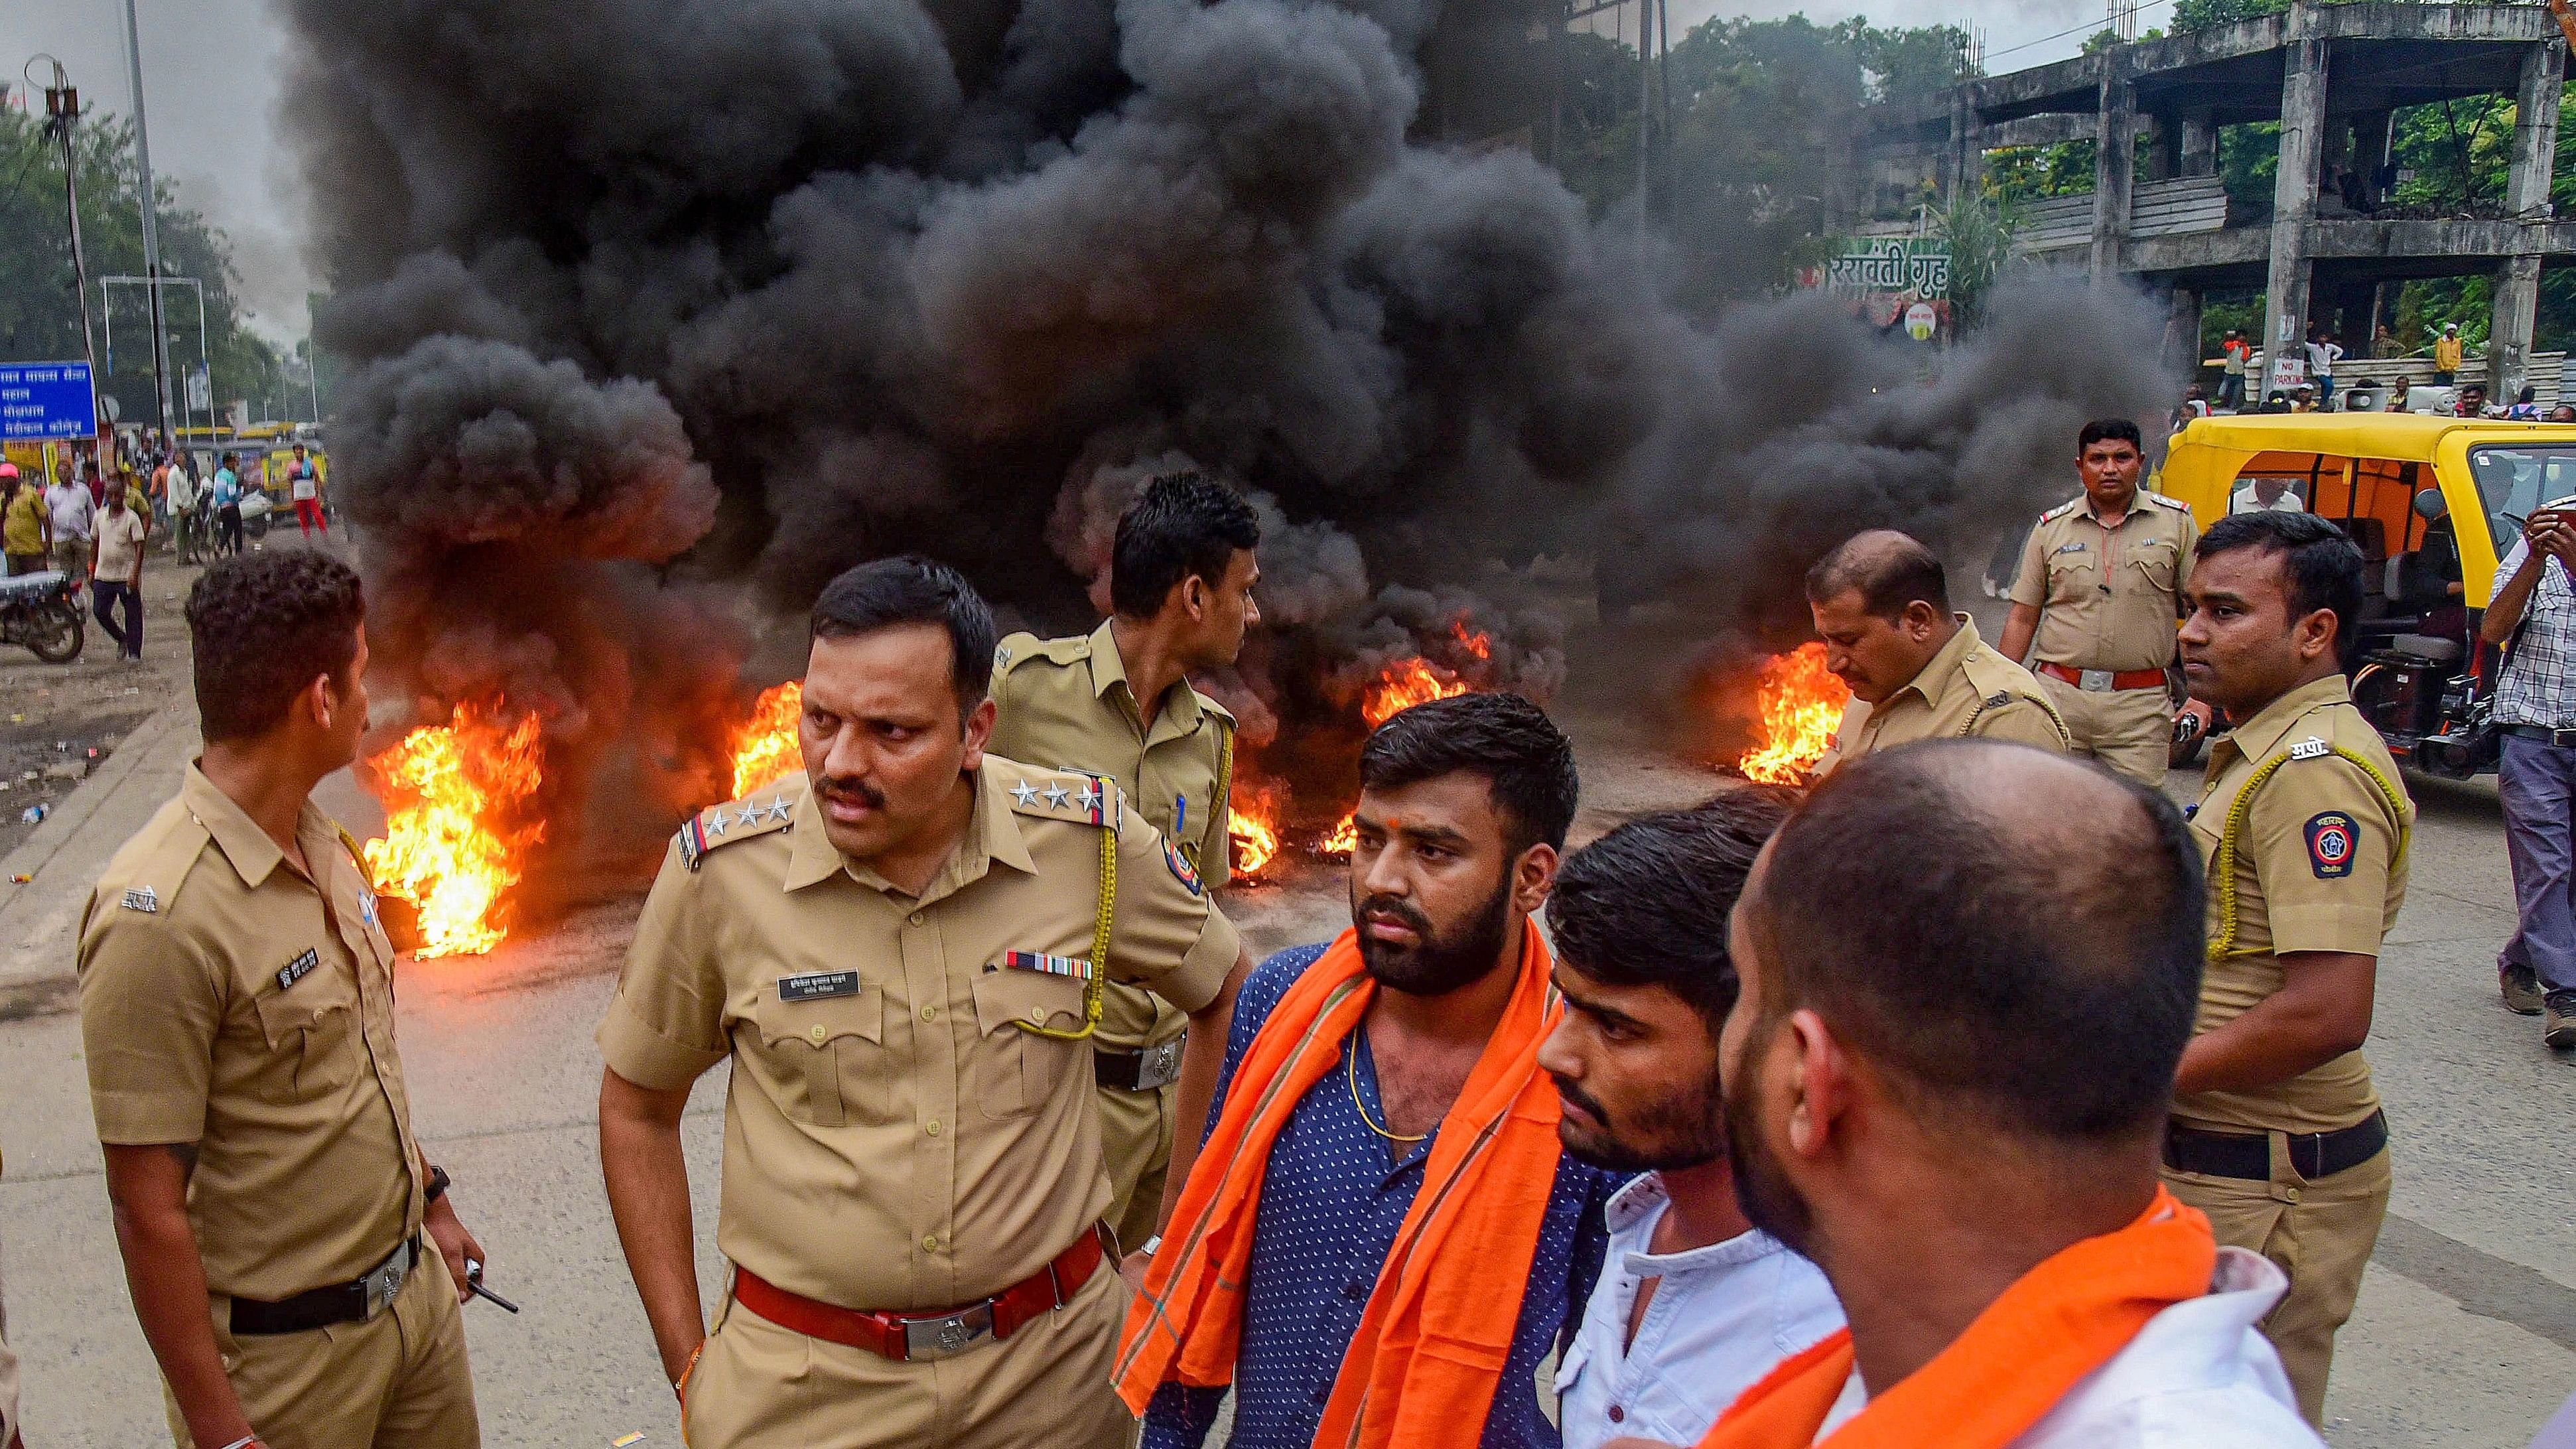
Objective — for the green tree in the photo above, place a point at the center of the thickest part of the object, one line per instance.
(39, 320)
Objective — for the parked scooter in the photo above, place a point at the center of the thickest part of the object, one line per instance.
(43, 612)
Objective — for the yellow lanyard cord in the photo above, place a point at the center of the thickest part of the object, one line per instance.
(2222, 867)
(1352, 1073)
(1099, 982)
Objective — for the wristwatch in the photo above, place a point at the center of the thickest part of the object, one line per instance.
(439, 1182)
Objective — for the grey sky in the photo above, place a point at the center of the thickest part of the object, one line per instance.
(211, 67)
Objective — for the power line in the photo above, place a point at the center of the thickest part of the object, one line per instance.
(2070, 30)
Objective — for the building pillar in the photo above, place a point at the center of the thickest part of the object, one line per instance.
(2294, 195)
(2115, 164)
(2182, 332)
(2370, 134)
(2199, 147)
(1967, 154)
(2164, 150)
(2526, 198)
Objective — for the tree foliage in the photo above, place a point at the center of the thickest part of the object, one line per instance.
(39, 321)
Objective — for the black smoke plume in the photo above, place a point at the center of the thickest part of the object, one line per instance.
(665, 312)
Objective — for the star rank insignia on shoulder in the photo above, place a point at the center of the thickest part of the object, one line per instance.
(1067, 794)
(732, 821)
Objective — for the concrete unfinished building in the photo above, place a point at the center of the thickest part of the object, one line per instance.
(2334, 76)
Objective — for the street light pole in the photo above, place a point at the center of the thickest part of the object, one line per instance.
(62, 112)
(151, 227)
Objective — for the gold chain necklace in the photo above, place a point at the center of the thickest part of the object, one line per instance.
(1351, 1073)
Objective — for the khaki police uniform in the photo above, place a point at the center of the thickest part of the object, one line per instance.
(898, 1138)
(2108, 601)
(2319, 819)
(1067, 702)
(1966, 689)
(229, 1001)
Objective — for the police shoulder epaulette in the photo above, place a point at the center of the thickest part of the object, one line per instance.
(2063, 509)
(1208, 702)
(153, 876)
(758, 813)
(1019, 649)
(1066, 794)
(2162, 501)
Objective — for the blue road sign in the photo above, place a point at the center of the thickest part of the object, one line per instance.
(46, 401)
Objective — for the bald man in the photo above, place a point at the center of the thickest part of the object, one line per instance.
(1900, 1107)
(1917, 670)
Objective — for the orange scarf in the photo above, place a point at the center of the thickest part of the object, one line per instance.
(1422, 1369)
(2064, 1319)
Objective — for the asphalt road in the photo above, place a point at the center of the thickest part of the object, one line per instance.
(2466, 1333)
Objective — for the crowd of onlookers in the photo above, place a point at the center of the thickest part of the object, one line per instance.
(2446, 397)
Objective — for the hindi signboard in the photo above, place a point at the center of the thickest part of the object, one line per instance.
(1889, 278)
(41, 401)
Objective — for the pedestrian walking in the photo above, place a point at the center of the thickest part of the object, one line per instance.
(227, 493)
(181, 494)
(1118, 702)
(2277, 1133)
(2534, 618)
(1695, 1304)
(304, 484)
(294, 1258)
(2095, 602)
(73, 511)
(902, 953)
(116, 577)
(1383, 1184)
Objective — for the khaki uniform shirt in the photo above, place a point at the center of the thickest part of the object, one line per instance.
(228, 1001)
(2108, 598)
(1066, 703)
(893, 1139)
(2317, 869)
(1966, 689)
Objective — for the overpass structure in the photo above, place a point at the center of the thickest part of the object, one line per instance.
(2334, 76)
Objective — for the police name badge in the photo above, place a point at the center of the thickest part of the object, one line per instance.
(297, 969)
(818, 986)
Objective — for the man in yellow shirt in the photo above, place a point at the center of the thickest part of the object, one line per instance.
(2446, 355)
(26, 529)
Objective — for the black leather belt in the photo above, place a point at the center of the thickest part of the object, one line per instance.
(1150, 1070)
(2312, 1154)
(351, 1302)
(2542, 733)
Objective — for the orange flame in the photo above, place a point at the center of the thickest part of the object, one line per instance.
(1800, 704)
(1344, 839)
(1406, 683)
(1255, 833)
(767, 746)
(454, 838)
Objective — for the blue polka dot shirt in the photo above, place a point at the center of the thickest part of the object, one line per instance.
(1331, 1203)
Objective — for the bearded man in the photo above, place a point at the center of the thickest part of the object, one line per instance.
(1382, 1237)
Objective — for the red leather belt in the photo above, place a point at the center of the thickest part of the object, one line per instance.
(907, 1336)
(2122, 679)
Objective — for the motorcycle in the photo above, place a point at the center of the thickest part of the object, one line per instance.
(43, 612)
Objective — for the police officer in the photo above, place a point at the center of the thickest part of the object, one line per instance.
(2277, 1133)
(2100, 586)
(1917, 671)
(237, 1012)
(904, 964)
(1118, 702)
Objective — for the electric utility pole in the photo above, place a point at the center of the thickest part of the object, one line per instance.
(151, 227)
(62, 112)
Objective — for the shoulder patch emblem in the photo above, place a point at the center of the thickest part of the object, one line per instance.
(2310, 748)
(1182, 871)
(2330, 844)
(142, 899)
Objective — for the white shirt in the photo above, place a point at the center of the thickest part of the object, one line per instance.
(303, 474)
(180, 488)
(2198, 1376)
(1723, 1316)
(2322, 357)
(72, 507)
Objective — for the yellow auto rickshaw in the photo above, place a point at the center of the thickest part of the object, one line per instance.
(2433, 503)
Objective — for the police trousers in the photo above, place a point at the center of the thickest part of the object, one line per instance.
(1136, 1143)
(2128, 730)
(760, 1386)
(2319, 1232)
(397, 1381)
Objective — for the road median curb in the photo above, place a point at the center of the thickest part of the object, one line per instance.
(65, 854)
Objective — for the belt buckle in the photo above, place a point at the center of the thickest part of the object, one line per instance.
(949, 1334)
(2563, 738)
(386, 1281)
(2094, 681)
(1160, 1066)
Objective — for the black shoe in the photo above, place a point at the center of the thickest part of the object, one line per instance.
(2560, 1029)
(2521, 988)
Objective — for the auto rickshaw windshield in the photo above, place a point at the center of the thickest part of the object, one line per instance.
(2514, 479)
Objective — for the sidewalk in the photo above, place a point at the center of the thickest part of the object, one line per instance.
(40, 920)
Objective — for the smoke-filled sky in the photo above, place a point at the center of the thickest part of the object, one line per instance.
(212, 69)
